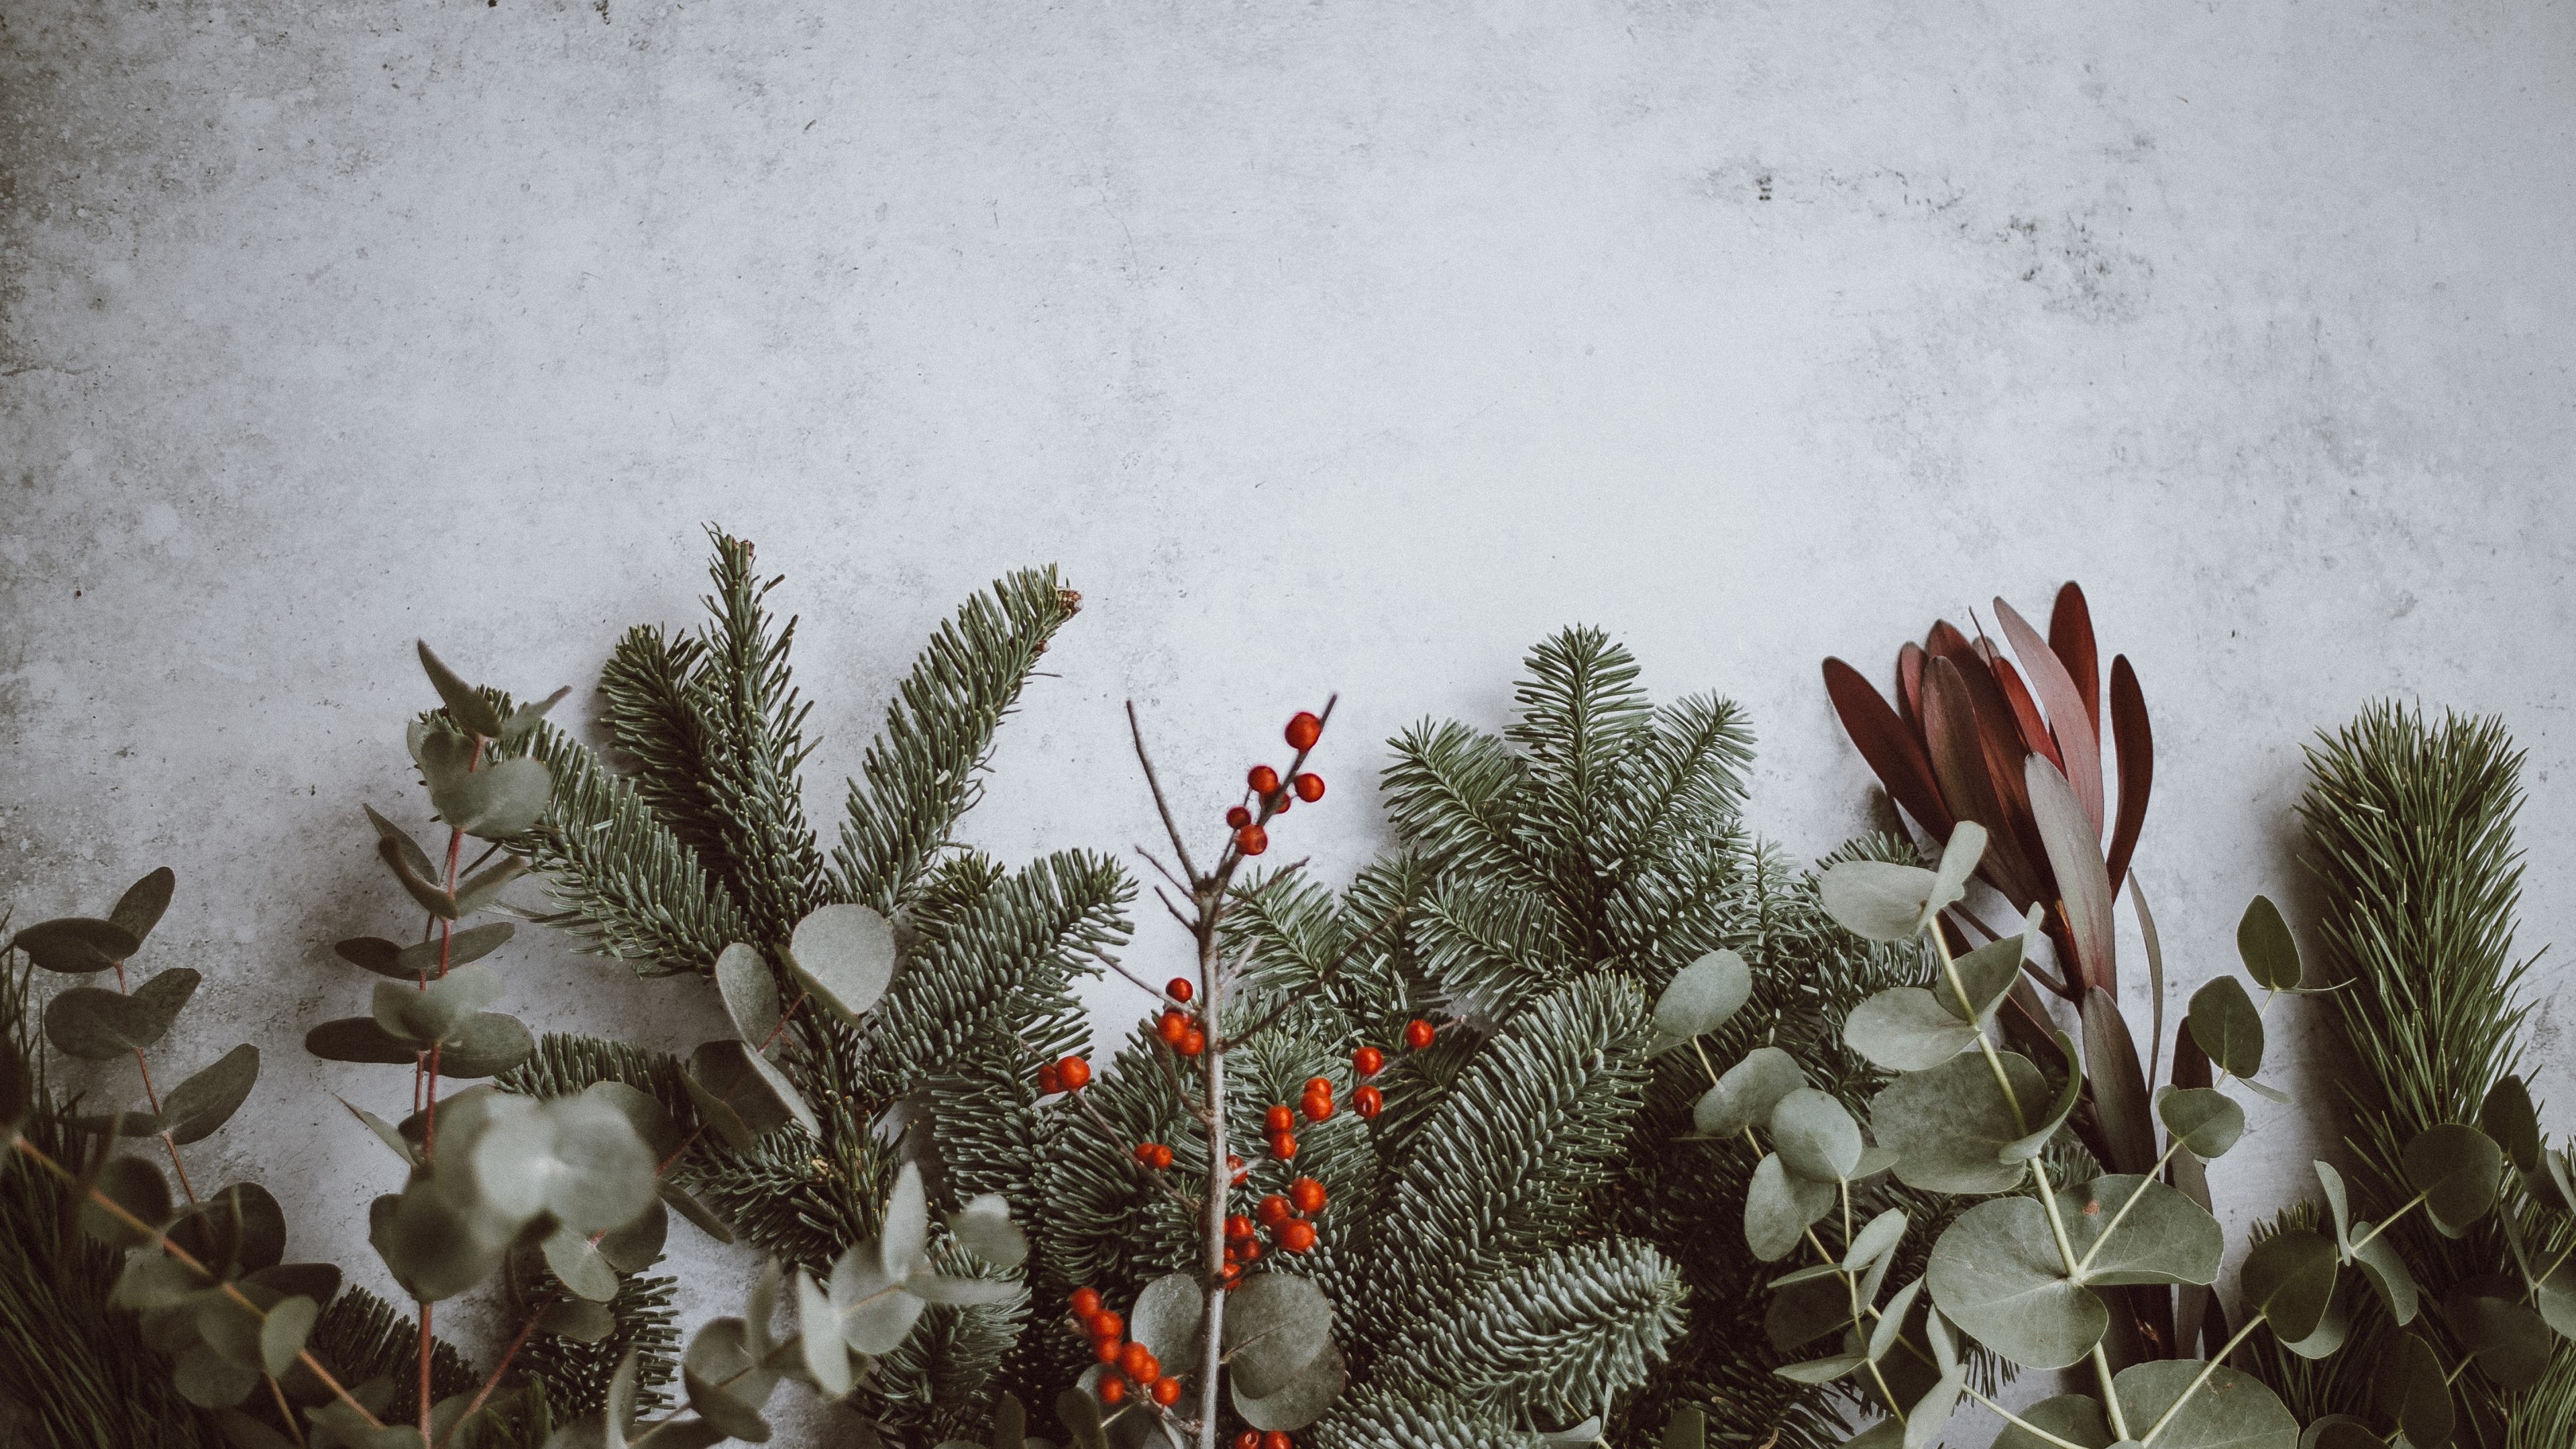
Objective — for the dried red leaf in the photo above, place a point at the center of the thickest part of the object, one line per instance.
(2119, 1085)
(2034, 730)
(1946, 642)
(2079, 753)
(2135, 747)
(2070, 637)
(1890, 749)
(1960, 764)
(1909, 687)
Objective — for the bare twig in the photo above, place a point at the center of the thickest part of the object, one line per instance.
(1179, 847)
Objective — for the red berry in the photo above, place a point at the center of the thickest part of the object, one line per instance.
(1113, 1390)
(1306, 1195)
(1248, 1439)
(1170, 1025)
(1278, 802)
(1277, 1120)
(1105, 1349)
(1167, 1392)
(1319, 1086)
(1283, 1145)
(1234, 1165)
(1297, 1237)
(1262, 779)
(1231, 1278)
(1193, 1042)
(1249, 1253)
(1316, 1105)
(1146, 1152)
(1310, 788)
(1086, 1302)
(1418, 1034)
(1050, 1081)
(1277, 1440)
(1368, 1061)
(1074, 1072)
(1273, 1210)
(1303, 730)
(1179, 988)
(1237, 818)
(1252, 840)
(1107, 1326)
(1369, 1100)
(1137, 1362)
(1238, 1227)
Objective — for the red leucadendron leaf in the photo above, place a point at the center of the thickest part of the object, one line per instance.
(1959, 762)
(2079, 747)
(2034, 730)
(1887, 746)
(2136, 747)
(2070, 637)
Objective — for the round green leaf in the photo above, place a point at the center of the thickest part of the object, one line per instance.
(138, 1187)
(358, 1039)
(2226, 1026)
(2507, 1116)
(2339, 1431)
(1996, 1272)
(579, 1266)
(576, 1157)
(1704, 995)
(874, 1310)
(638, 1245)
(1949, 1126)
(1276, 1325)
(1302, 1401)
(485, 1044)
(2510, 1343)
(750, 993)
(905, 1242)
(2459, 1170)
(2069, 1093)
(826, 1359)
(2414, 1391)
(642, 1111)
(1805, 1306)
(2163, 1237)
(1891, 1320)
(140, 908)
(2389, 1276)
(466, 705)
(2263, 940)
(1814, 1136)
(95, 1024)
(204, 1378)
(434, 1248)
(282, 1334)
(195, 1108)
(1881, 1234)
(2206, 1120)
(76, 945)
(238, 1226)
(1747, 1092)
(1905, 1029)
(744, 1081)
(984, 1226)
(498, 800)
(1959, 856)
(1987, 973)
(2289, 1278)
(844, 955)
(1875, 899)
(2076, 1418)
(436, 1011)
(722, 1382)
(579, 1320)
(2229, 1410)
(1931, 1413)
(1779, 1206)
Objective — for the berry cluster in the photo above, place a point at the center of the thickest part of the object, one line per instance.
(1175, 1026)
(1368, 1061)
(1132, 1366)
(1315, 1104)
(1273, 795)
(1069, 1075)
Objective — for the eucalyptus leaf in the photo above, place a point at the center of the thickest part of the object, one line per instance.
(731, 1073)
(485, 1044)
(358, 1039)
(2508, 1118)
(2385, 1267)
(2332, 1330)
(638, 1245)
(2339, 1431)
(1877, 900)
(1301, 1401)
(2228, 1410)
(2289, 1278)
(501, 800)
(1931, 1413)
(985, 1228)
(1746, 1092)
(2509, 1342)
(1779, 1207)
(844, 955)
(2226, 1026)
(137, 1187)
(826, 1358)
(76, 945)
(2207, 1121)
(1906, 1029)
(2075, 1418)
(1275, 1326)
(1949, 1125)
(874, 1310)
(1891, 1320)
(434, 1248)
(750, 993)
(577, 1264)
(430, 1014)
(1805, 1306)
(575, 1158)
(1814, 1136)
(1167, 1316)
(2029, 1145)
(484, 886)
(2338, 1202)
(1878, 1237)
(2412, 1390)
(577, 1319)
(203, 1103)
(141, 907)
(95, 1024)
(1988, 974)
(282, 1334)
(2264, 942)
(905, 1243)
(1959, 856)
(679, 1201)
(237, 1226)
(723, 1383)
(466, 705)
(204, 1378)
(2459, 1169)
(1822, 1370)
(1996, 1272)
(2163, 1236)
(1704, 995)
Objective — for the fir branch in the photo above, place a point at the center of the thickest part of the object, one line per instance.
(925, 767)
(755, 726)
(1558, 1338)
(654, 717)
(1449, 795)
(629, 884)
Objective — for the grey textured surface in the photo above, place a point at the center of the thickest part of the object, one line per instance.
(1325, 346)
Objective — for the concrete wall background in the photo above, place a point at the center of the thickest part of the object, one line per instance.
(1325, 346)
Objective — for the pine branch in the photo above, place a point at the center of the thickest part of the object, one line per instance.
(1449, 795)
(1557, 1339)
(658, 722)
(755, 727)
(925, 767)
(629, 884)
